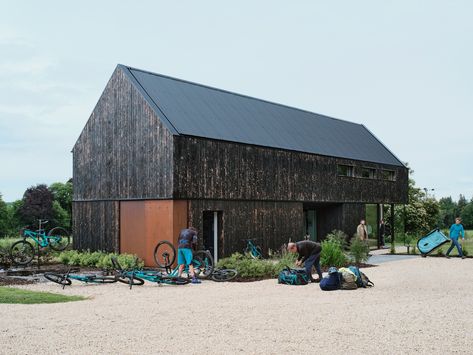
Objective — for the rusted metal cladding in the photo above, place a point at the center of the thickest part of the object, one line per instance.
(143, 224)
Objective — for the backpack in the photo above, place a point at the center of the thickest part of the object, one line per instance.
(290, 276)
(361, 279)
(331, 282)
(348, 279)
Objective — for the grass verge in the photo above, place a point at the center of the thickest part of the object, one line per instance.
(15, 295)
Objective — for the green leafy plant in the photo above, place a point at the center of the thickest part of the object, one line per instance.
(97, 259)
(332, 254)
(359, 251)
(440, 252)
(339, 237)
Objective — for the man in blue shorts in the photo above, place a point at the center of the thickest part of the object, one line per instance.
(187, 242)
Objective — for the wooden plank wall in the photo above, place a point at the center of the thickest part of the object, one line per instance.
(221, 170)
(124, 150)
(96, 225)
(273, 222)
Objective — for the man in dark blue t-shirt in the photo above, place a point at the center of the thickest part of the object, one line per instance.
(186, 243)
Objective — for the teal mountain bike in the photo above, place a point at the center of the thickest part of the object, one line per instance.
(65, 278)
(23, 252)
(252, 250)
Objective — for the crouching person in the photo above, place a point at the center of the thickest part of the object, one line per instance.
(309, 254)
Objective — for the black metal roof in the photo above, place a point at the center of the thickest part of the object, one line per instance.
(196, 110)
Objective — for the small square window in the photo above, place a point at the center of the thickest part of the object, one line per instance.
(345, 170)
(388, 175)
(368, 173)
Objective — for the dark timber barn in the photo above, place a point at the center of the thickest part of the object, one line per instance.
(159, 154)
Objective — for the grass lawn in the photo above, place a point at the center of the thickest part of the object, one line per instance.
(15, 295)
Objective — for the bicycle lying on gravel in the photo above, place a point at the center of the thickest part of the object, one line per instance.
(165, 255)
(22, 252)
(65, 278)
(222, 275)
(135, 277)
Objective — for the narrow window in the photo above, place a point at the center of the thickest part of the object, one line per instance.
(345, 170)
(388, 175)
(368, 173)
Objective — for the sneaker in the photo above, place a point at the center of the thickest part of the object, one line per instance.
(195, 280)
(463, 257)
(447, 256)
(315, 281)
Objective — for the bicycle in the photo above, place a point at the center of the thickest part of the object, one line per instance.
(66, 278)
(135, 277)
(253, 250)
(22, 252)
(165, 255)
(221, 275)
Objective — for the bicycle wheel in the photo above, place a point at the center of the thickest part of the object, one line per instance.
(129, 280)
(203, 264)
(164, 254)
(100, 279)
(22, 252)
(221, 275)
(174, 280)
(57, 278)
(59, 238)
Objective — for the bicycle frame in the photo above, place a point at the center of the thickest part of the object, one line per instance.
(39, 237)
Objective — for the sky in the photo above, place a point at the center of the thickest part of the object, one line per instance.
(402, 68)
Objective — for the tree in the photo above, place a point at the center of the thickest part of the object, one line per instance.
(462, 202)
(4, 222)
(37, 204)
(467, 215)
(447, 212)
(62, 202)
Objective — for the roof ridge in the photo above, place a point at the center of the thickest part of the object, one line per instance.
(238, 94)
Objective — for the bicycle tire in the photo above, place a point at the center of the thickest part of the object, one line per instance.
(64, 241)
(128, 280)
(174, 280)
(203, 264)
(164, 254)
(22, 252)
(222, 275)
(57, 278)
(101, 280)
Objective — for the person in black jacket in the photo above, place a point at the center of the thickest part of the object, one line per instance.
(309, 254)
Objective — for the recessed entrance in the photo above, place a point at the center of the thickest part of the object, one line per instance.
(212, 233)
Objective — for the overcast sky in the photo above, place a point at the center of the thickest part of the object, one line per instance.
(402, 68)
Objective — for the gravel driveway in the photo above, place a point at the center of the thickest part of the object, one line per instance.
(417, 306)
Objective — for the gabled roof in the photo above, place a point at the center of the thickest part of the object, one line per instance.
(196, 110)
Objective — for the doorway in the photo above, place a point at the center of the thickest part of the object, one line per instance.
(212, 233)
(310, 218)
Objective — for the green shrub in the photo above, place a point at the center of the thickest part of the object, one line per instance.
(250, 268)
(332, 254)
(465, 251)
(439, 252)
(98, 259)
(392, 250)
(359, 251)
(339, 237)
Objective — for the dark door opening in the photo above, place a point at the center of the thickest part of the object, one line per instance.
(212, 233)
(310, 223)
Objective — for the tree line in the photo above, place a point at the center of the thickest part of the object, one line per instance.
(53, 203)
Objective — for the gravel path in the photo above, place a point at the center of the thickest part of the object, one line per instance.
(417, 306)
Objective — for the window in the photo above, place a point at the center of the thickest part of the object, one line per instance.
(388, 175)
(368, 173)
(345, 170)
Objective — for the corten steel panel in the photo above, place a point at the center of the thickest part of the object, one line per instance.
(143, 224)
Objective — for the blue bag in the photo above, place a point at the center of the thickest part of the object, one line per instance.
(332, 281)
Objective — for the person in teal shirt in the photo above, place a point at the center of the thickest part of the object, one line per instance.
(456, 230)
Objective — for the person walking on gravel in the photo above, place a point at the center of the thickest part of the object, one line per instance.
(456, 230)
(187, 242)
(309, 254)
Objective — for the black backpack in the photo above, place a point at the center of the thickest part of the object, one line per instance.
(290, 276)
